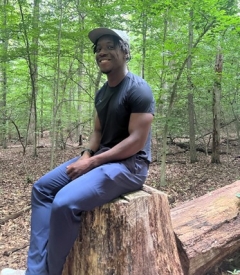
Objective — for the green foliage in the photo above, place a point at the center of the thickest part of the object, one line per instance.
(159, 33)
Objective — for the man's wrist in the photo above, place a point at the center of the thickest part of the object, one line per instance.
(89, 151)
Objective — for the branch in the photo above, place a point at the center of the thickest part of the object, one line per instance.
(8, 253)
(15, 215)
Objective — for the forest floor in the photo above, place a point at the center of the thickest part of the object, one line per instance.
(185, 181)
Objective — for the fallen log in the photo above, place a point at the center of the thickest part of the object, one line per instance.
(207, 229)
(131, 236)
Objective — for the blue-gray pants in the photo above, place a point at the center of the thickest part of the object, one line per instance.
(57, 203)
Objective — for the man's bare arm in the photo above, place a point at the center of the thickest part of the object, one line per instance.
(95, 137)
(139, 127)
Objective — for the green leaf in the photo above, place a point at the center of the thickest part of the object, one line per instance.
(238, 195)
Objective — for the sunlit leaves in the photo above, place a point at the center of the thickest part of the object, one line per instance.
(159, 36)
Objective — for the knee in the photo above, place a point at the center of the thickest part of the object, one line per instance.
(63, 207)
(38, 185)
(39, 191)
(60, 205)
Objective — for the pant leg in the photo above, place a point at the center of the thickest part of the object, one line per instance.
(43, 193)
(95, 188)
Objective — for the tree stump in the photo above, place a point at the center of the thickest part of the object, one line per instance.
(207, 229)
(132, 235)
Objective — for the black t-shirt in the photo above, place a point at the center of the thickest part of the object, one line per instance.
(114, 106)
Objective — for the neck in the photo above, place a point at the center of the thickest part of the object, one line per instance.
(115, 78)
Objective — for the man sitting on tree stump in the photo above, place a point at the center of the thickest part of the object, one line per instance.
(115, 162)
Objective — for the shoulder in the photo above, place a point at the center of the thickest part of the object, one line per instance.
(140, 95)
(136, 81)
(138, 87)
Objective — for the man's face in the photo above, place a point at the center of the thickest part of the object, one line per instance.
(109, 56)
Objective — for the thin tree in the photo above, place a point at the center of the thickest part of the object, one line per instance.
(171, 104)
(3, 76)
(217, 107)
(32, 56)
(55, 122)
(193, 155)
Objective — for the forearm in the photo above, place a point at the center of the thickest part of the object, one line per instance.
(125, 149)
(139, 128)
(94, 141)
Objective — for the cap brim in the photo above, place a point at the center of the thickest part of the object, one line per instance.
(95, 34)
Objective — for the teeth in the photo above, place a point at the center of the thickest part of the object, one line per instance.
(103, 61)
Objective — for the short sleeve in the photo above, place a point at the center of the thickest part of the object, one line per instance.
(141, 99)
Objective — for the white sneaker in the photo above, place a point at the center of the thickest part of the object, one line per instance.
(10, 271)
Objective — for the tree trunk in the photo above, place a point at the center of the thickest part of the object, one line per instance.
(80, 71)
(3, 78)
(207, 229)
(144, 18)
(193, 155)
(34, 74)
(32, 56)
(217, 109)
(171, 103)
(131, 236)
(55, 114)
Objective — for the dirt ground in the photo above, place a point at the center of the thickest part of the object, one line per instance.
(185, 181)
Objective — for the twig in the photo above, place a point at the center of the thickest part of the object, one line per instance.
(15, 215)
(8, 253)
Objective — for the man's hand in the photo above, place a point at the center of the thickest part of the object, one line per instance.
(80, 167)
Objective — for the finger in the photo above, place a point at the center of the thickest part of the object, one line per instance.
(68, 173)
(76, 175)
(69, 169)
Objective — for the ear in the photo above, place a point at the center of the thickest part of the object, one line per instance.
(127, 55)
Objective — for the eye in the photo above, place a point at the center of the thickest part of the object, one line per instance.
(98, 50)
(110, 47)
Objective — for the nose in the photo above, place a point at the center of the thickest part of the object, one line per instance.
(102, 52)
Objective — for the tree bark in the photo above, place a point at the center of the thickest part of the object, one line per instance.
(56, 118)
(217, 109)
(193, 154)
(207, 229)
(171, 103)
(130, 236)
(32, 61)
(193, 151)
(4, 77)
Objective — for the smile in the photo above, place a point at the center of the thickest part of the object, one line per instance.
(104, 61)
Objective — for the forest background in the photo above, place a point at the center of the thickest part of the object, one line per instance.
(188, 51)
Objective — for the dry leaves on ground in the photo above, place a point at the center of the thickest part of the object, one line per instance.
(185, 181)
